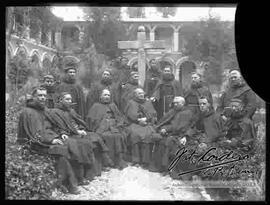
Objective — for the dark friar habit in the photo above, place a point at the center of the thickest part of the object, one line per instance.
(95, 92)
(141, 138)
(106, 120)
(36, 126)
(76, 91)
(152, 78)
(69, 121)
(242, 92)
(51, 95)
(213, 126)
(126, 92)
(177, 123)
(165, 89)
(193, 95)
(241, 132)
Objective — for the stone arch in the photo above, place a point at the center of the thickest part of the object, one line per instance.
(44, 56)
(35, 57)
(72, 58)
(21, 50)
(167, 59)
(185, 66)
(135, 59)
(46, 62)
(11, 49)
(35, 52)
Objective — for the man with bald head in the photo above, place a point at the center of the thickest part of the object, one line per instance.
(96, 88)
(165, 91)
(105, 119)
(240, 90)
(141, 116)
(175, 126)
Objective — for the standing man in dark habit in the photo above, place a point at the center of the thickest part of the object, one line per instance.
(69, 84)
(96, 89)
(240, 90)
(153, 75)
(197, 89)
(50, 85)
(164, 92)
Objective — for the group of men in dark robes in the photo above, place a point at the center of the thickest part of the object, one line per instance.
(119, 122)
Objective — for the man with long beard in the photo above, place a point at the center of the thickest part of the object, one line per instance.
(240, 90)
(105, 119)
(141, 116)
(49, 85)
(153, 75)
(36, 127)
(121, 73)
(96, 89)
(165, 91)
(67, 120)
(198, 89)
(70, 85)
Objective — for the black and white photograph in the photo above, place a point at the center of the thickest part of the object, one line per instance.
(128, 103)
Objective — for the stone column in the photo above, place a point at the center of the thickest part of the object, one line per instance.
(49, 35)
(176, 38)
(58, 39)
(26, 22)
(38, 38)
(81, 34)
(152, 33)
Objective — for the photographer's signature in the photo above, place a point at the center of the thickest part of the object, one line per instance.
(210, 158)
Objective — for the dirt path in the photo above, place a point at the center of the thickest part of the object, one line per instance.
(133, 183)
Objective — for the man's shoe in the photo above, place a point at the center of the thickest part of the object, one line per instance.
(122, 164)
(74, 190)
(83, 182)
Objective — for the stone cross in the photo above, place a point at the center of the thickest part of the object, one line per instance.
(141, 44)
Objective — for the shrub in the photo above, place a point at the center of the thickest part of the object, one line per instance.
(27, 175)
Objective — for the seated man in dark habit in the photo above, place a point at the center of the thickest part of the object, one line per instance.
(210, 124)
(241, 133)
(36, 128)
(50, 85)
(141, 116)
(176, 127)
(67, 120)
(105, 119)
